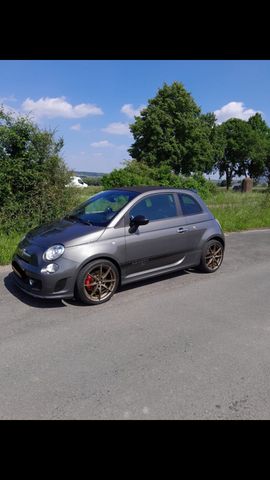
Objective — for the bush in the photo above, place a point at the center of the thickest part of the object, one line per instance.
(32, 175)
(95, 181)
(137, 173)
(222, 183)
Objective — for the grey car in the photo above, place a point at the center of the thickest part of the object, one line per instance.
(117, 237)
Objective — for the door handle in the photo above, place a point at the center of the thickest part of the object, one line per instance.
(182, 230)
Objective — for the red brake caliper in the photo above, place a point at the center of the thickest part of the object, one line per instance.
(89, 279)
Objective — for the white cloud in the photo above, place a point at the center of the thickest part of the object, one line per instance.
(76, 127)
(10, 110)
(102, 143)
(234, 110)
(59, 107)
(10, 98)
(117, 128)
(131, 112)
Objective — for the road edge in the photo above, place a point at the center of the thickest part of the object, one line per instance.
(5, 268)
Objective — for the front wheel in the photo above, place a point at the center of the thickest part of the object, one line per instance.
(97, 282)
(212, 256)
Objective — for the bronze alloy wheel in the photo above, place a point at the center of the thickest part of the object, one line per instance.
(214, 256)
(100, 282)
(97, 282)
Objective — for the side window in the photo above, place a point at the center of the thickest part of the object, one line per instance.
(155, 207)
(189, 205)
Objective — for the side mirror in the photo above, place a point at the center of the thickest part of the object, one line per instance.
(135, 222)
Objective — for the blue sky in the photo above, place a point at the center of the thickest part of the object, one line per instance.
(91, 102)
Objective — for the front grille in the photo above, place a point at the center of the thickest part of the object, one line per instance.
(30, 257)
(19, 271)
(23, 276)
(26, 257)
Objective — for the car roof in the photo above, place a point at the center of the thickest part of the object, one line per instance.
(149, 188)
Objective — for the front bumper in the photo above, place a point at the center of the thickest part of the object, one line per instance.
(45, 285)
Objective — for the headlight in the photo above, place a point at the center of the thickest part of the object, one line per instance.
(54, 252)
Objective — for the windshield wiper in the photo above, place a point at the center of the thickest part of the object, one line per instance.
(79, 219)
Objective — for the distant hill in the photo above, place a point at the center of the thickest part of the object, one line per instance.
(89, 174)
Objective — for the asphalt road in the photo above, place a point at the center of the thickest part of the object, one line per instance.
(185, 346)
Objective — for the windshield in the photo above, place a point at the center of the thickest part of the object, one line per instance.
(100, 209)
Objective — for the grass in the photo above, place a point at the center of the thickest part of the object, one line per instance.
(235, 212)
(8, 244)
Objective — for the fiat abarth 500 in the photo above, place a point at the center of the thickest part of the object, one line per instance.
(117, 237)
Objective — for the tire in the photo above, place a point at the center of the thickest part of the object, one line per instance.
(97, 282)
(212, 256)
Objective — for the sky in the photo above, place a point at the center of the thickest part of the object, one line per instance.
(90, 103)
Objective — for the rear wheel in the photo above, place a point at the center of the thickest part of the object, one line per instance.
(97, 282)
(212, 256)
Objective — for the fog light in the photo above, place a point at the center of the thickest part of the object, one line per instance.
(31, 282)
(51, 268)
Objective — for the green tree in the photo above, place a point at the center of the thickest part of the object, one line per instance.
(235, 141)
(260, 155)
(267, 168)
(95, 181)
(32, 174)
(172, 131)
(138, 173)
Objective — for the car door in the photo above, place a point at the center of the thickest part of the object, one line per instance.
(159, 244)
(195, 218)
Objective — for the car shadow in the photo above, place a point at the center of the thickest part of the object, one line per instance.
(196, 270)
(134, 285)
(56, 303)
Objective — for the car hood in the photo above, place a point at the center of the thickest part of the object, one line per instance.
(66, 232)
